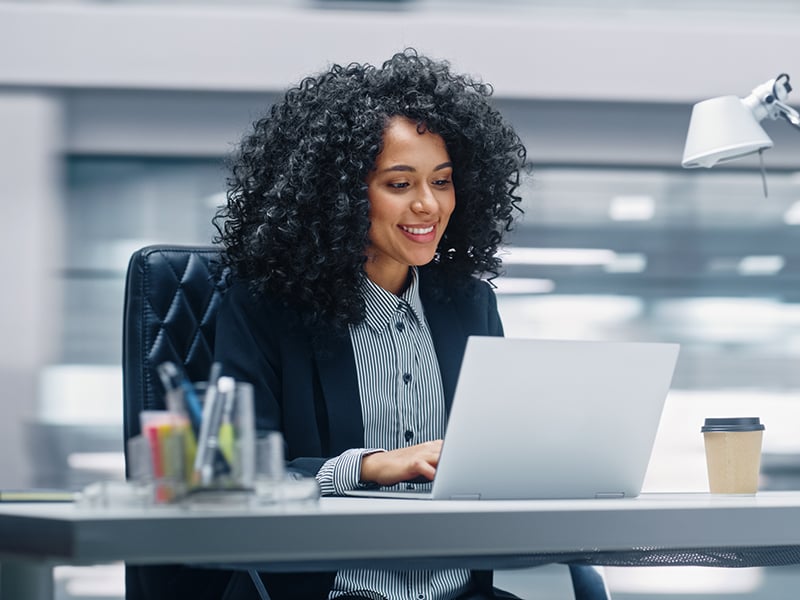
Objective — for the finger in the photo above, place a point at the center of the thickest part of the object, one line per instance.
(426, 470)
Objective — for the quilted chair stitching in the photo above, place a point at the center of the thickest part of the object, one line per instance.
(198, 332)
(210, 300)
(150, 401)
(146, 400)
(161, 329)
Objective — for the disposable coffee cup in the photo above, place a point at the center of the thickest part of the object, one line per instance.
(733, 454)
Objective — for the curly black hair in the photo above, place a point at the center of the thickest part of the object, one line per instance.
(296, 222)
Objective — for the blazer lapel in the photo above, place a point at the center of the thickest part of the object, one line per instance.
(449, 339)
(336, 366)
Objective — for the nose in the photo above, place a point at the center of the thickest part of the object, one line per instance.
(425, 202)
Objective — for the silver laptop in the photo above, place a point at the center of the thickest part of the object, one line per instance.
(535, 419)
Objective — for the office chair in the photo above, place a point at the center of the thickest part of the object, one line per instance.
(172, 294)
(171, 302)
(588, 583)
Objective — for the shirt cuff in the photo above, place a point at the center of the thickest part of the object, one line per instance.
(342, 473)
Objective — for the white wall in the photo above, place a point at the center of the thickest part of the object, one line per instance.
(30, 244)
(676, 56)
(183, 80)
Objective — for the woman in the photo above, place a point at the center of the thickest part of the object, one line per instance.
(362, 211)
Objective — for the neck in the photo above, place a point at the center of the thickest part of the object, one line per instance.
(395, 283)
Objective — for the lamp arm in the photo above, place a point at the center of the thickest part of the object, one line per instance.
(788, 113)
(767, 100)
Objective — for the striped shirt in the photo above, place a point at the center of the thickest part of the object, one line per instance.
(402, 403)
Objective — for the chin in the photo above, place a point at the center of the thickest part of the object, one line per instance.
(422, 260)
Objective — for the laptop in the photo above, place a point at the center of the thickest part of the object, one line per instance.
(537, 419)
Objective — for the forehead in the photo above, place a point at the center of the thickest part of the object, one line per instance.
(404, 138)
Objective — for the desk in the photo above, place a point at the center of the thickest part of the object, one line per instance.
(341, 532)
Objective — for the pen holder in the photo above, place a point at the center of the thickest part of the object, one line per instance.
(225, 438)
(205, 449)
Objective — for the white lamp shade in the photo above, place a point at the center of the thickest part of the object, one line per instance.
(722, 129)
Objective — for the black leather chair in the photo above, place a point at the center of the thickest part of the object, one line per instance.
(172, 294)
(588, 583)
(171, 299)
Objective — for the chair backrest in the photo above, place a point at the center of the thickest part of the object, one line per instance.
(172, 294)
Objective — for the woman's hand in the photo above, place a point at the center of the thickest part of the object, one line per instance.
(403, 464)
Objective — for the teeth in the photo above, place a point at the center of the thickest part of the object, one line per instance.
(418, 230)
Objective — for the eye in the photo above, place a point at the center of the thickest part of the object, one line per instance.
(399, 185)
(441, 182)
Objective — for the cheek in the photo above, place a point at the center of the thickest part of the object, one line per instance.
(384, 208)
(449, 206)
(377, 215)
(374, 205)
(380, 215)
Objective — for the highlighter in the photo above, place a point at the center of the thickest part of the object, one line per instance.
(226, 436)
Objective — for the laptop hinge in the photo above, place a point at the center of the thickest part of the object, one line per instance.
(609, 495)
(465, 497)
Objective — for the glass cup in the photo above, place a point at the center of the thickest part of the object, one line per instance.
(273, 483)
(270, 471)
(224, 453)
(733, 454)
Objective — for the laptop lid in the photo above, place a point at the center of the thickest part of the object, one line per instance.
(538, 418)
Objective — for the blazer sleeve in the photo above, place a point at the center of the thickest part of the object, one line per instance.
(246, 349)
(251, 340)
(495, 324)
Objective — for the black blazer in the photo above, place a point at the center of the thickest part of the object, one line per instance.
(310, 393)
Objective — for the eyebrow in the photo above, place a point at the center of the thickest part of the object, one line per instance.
(407, 168)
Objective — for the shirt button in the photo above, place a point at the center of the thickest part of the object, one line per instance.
(410, 486)
(406, 378)
(400, 326)
(409, 435)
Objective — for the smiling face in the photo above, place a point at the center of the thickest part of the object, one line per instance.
(411, 198)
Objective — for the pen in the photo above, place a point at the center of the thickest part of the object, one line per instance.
(205, 431)
(168, 373)
(174, 381)
(214, 373)
(226, 435)
(210, 460)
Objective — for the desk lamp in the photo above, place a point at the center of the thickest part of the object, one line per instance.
(727, 127)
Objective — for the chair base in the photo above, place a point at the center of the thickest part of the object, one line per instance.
(588, 583)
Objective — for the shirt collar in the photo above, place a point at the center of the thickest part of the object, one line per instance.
(382, 306)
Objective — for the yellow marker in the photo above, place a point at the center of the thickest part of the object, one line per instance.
(226, 437)
(165, 471)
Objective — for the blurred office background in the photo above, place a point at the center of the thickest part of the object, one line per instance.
(115, 118)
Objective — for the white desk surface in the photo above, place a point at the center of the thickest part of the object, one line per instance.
(341, 531)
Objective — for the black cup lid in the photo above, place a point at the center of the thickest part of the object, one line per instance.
(733, 424)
